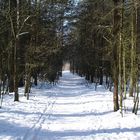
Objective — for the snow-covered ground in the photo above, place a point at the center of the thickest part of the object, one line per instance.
(68, 111)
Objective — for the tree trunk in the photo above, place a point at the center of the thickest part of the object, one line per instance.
(11, 69)
(117, 43)
(27, 84)
(121, 60)
(16, 97)
(101, 76)
(133, 49)
(35, 78)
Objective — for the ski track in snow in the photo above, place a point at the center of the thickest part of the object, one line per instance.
(34, 131)
(68, 111)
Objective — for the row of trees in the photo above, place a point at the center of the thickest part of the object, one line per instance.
(100, 38)
(31, 42)
(106, 43)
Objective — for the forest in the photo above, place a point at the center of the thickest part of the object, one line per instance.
(99, 38)
(69, 69)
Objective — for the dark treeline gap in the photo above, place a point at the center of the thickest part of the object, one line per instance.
(99, 38)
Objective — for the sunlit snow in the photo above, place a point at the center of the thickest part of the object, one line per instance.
(68, 111)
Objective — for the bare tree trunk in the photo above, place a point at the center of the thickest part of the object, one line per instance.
(16, 97)
(133, 49)
(124, 72)
(136, 99)
(117, 43)
(1, 95)
(27, 83)
(11, 69)
(121, 60)
(135, 61)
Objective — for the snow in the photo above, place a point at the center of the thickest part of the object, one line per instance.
(68, 111)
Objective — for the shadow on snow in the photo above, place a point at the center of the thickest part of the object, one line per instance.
(58, 134)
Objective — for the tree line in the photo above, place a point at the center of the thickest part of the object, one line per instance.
(31, 42)
(106, 47)
(99, 38)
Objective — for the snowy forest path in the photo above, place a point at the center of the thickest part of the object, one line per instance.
(69, 86)
(70, 111)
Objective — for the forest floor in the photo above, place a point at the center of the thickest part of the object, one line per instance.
(68, 111)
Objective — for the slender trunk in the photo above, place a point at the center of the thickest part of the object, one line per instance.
(121, 81)
(133, 49)
(116, 33)
(27, 84)
(124, 72)
(0, 79)
(115, 96)
(16, 97)
(35, 79)
(136, 67)
(1, 96)
(136, 101)
(101, 76)
(12, 5)
(11, 68)
(123, 56)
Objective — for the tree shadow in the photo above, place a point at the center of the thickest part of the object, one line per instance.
(90, 132)
(56, 135)
(16, 131)
(12, 129)
(84, 114)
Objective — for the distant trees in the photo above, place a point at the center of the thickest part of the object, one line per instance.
(92, 31)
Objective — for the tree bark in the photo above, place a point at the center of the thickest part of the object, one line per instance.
(16, 96)
(133, 49)
(117, 43)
